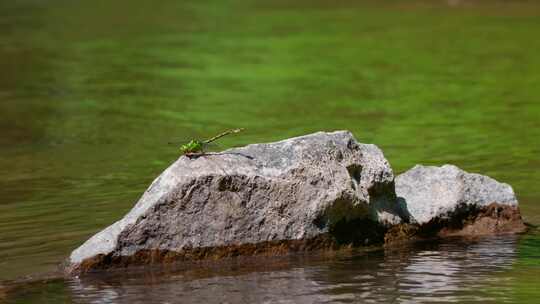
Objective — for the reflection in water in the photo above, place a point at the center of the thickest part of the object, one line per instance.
(451, 271)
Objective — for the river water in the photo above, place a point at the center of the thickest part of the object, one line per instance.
(91, 92)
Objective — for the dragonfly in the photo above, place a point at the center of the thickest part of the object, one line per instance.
(197, 147)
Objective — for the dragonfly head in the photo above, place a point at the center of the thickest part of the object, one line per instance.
(194, 146)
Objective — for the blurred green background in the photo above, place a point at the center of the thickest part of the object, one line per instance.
(92, 91)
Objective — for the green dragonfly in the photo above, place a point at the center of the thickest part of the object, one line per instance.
(197, 147)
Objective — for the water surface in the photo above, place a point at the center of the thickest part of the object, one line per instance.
(92, 91)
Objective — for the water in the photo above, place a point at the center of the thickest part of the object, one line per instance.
(92, 91)
(484, 271)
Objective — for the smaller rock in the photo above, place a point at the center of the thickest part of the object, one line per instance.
(449, 201)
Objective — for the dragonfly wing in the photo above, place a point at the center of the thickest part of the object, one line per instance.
(211, 146)
(179, 141)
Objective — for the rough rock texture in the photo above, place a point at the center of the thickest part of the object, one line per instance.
(449, 201)
(320, 191)
(302, 193)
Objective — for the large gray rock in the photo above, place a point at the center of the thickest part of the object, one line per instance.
(431, 193)
(292, 190)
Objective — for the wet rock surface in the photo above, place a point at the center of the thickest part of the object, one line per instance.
(323, 190)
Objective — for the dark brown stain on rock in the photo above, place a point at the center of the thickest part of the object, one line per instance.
(493, 219)
(3, 293)
(470, 222)
(153, 257)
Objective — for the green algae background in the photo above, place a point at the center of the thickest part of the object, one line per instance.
(91, 92)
